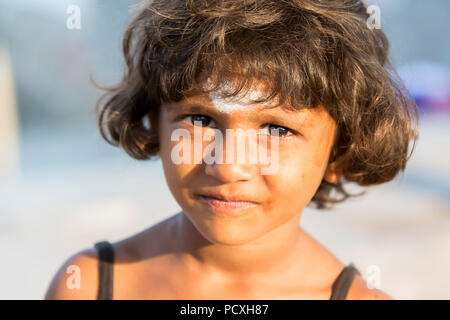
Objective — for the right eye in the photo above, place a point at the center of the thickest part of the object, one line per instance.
(196, 119)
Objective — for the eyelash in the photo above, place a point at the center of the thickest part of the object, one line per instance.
(196, 115)
(290, 131)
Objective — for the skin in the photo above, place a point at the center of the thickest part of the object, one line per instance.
(226, 106)
(261, 253)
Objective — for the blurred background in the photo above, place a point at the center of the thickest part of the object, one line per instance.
(62, 188)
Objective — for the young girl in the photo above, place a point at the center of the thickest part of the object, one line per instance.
(310, 76)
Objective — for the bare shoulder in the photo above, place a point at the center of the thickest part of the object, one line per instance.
(323, 266)
(328, 267)
(146, 243)
(360, 291)
(77, 278)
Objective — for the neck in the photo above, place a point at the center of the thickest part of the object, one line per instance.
(270, 253)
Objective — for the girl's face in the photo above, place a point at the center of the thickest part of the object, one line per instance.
(232, 202)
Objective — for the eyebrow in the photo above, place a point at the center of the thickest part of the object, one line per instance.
(189, 107)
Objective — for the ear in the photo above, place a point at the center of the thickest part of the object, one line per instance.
(334, 172)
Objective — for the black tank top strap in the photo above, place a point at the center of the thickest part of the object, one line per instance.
(343, 282)
(105, 270)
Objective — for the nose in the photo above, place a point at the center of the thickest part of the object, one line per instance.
(230, 172)
(232, 168)
(238, 159)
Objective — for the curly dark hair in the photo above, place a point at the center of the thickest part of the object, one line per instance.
(310, 52)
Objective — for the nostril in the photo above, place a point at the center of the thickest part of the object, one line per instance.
(230, 172)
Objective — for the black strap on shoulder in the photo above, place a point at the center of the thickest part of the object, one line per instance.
(343, 282)
(105, 270)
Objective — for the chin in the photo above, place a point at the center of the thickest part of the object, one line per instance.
(225, 233)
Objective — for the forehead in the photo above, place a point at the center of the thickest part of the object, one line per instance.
(224, 99)
(242, 101)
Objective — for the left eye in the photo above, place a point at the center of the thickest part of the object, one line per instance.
(273, 129)
(201, 120)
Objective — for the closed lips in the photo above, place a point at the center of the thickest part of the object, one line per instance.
(225, 198)
(226, 205)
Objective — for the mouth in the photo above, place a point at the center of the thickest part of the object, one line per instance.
(226, 205)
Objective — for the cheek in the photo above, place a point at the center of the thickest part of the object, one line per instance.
(174, 173)
(177, 156)
(299, 175)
